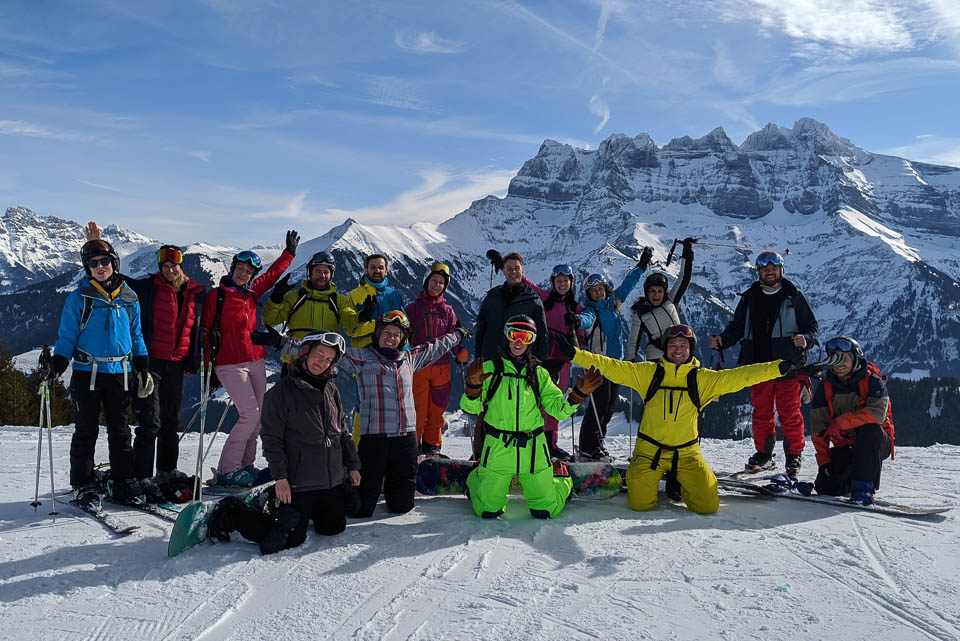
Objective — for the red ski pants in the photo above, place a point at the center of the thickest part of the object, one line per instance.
(431, 395)
(785, 395)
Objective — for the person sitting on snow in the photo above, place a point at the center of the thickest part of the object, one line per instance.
(851, 425)
(509, 393)
(675, 389)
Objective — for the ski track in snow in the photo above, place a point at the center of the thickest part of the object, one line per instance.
(759, 569)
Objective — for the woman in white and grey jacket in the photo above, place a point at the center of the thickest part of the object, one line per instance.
(657, 309)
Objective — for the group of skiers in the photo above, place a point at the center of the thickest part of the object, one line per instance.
(136, 339)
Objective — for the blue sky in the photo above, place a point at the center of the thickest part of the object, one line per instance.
(230, 120)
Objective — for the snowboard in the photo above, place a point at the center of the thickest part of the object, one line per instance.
(190, 528)
(443, 477)
(753, 491)
(776, 486)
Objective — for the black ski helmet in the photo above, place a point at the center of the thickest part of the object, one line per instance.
(322, 258)
(846, 344)
(99, 247)
(656, 279)
(522, 323)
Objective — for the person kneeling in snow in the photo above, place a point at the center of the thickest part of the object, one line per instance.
(675, 390)
(851, 424)
(310, 453)
(508, 393)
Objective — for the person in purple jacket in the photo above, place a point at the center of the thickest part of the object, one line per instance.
(562, 312)
(432, 317)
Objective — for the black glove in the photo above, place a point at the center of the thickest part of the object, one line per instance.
(367, 309)
(572, 320)
(141, 364)
(786, 367)
(280, 289)
(495, 259)
(688, 247)
(60, 364)
(463, 331)
(293, 239)
(566, 345)
(268, 338)
(45, 365)
(645, 257)
(214, 380)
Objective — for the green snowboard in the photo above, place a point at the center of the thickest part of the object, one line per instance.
(190, 528)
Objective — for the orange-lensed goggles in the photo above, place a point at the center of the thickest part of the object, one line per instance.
(171, 254)
(514, 335)
(395, 317)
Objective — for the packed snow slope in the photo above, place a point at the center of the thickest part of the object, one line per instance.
(758, 569)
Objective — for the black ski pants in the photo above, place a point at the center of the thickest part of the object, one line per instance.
(387, 464)
(110, 395)
(604, 401)
(861, 461)
(158, 418)
(324, 507)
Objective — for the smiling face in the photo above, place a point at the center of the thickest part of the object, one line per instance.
(844, 369)
(769, 275)
(320, 276)
(171, 271)
(390, 337)
(561, 284)
(678, 350)
(320, 358)
(436, 284)
(101, 268)
(513, 271)
(597, 292)
(242, 274)
(376, 270)
(517, 348)
(655, 295)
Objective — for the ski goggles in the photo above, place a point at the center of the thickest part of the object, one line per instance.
(397, 318)
(680, 331)
(440, 268)
(593, 280)
(839, 344)
(525, 337)
(769, 258)
(250, 258)
(93, 263)
(171, 254)
(562, 270)
(330, 339)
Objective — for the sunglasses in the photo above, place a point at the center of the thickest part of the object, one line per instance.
(395, 317)
(250, 258)
(769, 258)
(679, 331)
(93, 263)
(839, 344)
(171, 254)
(514, 335)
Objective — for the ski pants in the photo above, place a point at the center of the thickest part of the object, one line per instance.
(697, 480)
(109, 394)
(604, 400)
(560, 373)
(158, 418)
(501, 459)
(324, 507)
(431, 396)
(861, 461)
(785, 395)
(246, 384)
(388, 464)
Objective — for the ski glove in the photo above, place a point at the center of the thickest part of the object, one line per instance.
(367, 308)
(141, 364)
(463, 356)
(586, 384)
(293, 239)
(572, 320)
(267, 338)
(839, 437)
(280, 290)
(463, 331)
(787, 368)
(495, 259)
(60, 364)
(475, 378)
(561, 469)
(645, 257)
(688, 247)
(145, 384)
(566, 345)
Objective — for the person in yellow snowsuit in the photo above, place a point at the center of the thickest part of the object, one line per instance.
(669, 435)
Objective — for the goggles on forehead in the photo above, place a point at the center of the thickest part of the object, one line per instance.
(250, 258)
(395, 317)
(679, 331)
(562, 270)
(769, 258)
(330, 339)
(514, 335)
(171, 254)
(593, 280)
(440, 268)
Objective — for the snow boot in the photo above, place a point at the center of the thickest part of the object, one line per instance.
(87, 499)
(126, 492)
(237, 478)
(596, 454)
(861, 492)
(151, 491)
(759, 461)
(560, 454)
(792, 464)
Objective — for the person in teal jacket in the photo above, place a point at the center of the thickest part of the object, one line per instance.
(100, 330)
(509, 393)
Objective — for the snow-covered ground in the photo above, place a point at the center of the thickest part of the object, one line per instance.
(759, 569)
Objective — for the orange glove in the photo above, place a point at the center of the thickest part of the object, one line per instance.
(586, 384)
(475, 378)
(463, 356)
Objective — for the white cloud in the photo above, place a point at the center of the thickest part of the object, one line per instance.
(929, 148)
(97, 186)
(598, 107)
(427, 42)
(391, 91)
(291, 209)
(201, 155)
(440, 196)
(21, 128)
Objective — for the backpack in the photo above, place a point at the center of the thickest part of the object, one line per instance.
(864, 388)
(498, 374)
(301, 301)
(656, 384)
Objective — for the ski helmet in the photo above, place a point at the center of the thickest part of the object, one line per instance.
(322, 258)
(398, 319)
(248, 257)
(595, 279)
(522, 324)
(679, 331)
(846, 344)
(99, 247)
(438, 268)
(563, 270)
(657, 279)
(330, 339)
(169, 253)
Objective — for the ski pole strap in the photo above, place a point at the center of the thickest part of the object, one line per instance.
(660, 447)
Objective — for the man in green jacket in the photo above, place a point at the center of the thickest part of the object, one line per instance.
(509, 393)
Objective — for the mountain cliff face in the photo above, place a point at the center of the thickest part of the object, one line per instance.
(873, 240)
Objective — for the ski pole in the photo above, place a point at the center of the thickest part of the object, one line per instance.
(189, 425)
(630, 419)
(197, 484)
(219, 425)
(53, 493)
(36, 492)
(676, 241)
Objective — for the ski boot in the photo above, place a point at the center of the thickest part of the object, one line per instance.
(151, 491)
(126, 492)
(237, 478)
(792, 464)
(759, 461)
(861, 492)
(559, 454)
(87, 499)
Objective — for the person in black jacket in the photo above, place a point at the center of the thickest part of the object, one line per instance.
(773, 320)
(310, 452)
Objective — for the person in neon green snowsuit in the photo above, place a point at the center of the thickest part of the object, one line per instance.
(515, 444)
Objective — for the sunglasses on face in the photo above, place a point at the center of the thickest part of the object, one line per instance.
(93, 263)
(515, 335)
